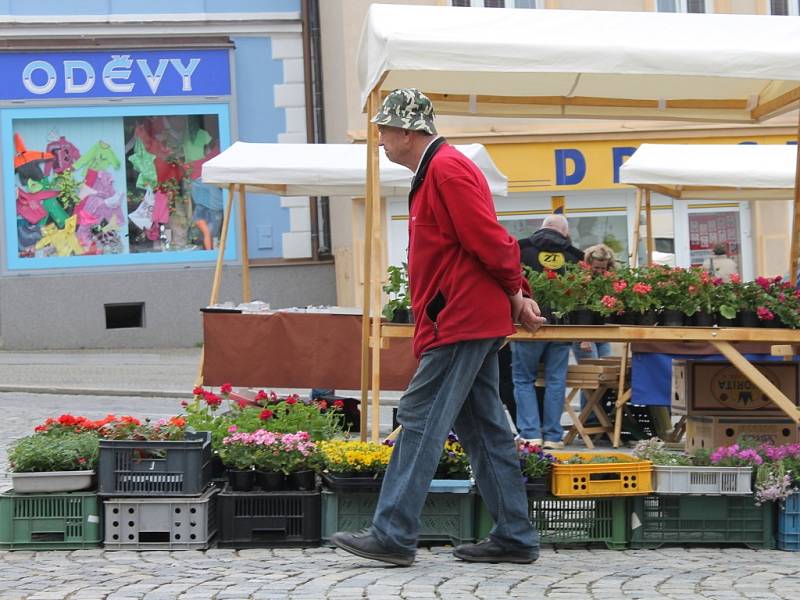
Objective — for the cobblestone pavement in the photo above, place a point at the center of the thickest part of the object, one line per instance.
(322, 573)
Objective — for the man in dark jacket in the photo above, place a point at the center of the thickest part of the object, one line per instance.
(466, 288)
(549, 248)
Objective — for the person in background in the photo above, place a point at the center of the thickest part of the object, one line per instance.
(720, 264)
(549, 248)
(601, 259)
(466, 287)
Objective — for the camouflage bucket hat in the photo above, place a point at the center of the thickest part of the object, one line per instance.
(407, 108)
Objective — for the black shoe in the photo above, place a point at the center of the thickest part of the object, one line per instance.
(365, 544)
(489, 551)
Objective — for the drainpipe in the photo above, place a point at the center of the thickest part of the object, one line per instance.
(315, 118)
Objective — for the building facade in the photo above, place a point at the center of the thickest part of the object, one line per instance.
(105, 120)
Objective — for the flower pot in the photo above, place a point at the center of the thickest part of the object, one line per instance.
(538, 487)
(673, 318)
(724, 321)
(270, 481)
(217, 467)
(627, 318)
(303, 481)
(402, 315)
(648, 318)
(51, 481)
(240, 480)
(582, 316)
(748, 318)
(702, 319)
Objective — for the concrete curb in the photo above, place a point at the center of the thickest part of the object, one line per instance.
(133, 393)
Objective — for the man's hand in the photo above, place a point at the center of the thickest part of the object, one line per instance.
(526, 312)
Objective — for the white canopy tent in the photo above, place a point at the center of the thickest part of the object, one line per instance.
(323, 169)
(713, 171)
(573, 64)
(710, 172)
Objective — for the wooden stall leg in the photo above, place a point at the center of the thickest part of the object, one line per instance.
(243, 244)
(650, 241)
(223, 238)
(622, 396)
(637, 224)
(758, 379)
(794, 238)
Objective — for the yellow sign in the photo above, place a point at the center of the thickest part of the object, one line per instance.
(584, 165)
(551, 260)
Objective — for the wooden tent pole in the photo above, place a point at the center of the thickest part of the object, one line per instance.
(223, 237)
(637, 223)
(377, 269)
(372, 155)
(794, 240)
(650, 241)
(243, 234)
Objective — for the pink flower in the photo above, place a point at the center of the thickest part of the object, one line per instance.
(233, 429)
(620, 285)
(609, 301)
(736, 278)
(641, 288)
(764, 313)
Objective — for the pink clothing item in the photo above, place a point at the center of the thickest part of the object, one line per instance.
(196, 166)
(65, 153)
(101, 201)
(151, 143)
(161, 208)
(29, 205)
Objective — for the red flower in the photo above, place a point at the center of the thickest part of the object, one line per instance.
(241, 402)
(736, 278)
(266, 414)
(641, 288)
(323, 404)
(551, 274)
(81, 460)
(764, 314)
(212, 399)
(178, 422)
(184, 403)
(291, 399)
(338, 403)
(620, 285)
(197, 391)
(225, 388)
(261, 395)
(584, 265)
(609, 301)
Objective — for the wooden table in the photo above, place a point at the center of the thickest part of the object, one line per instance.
(720, 338)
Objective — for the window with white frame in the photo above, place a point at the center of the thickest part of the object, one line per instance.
(786, 8)
(685, 6)
(499, 3)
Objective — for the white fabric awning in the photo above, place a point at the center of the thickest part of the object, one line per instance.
(603, 64)
(324, 169)
(700, 171)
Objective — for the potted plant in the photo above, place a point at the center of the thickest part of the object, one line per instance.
(453, 471)
(537, 466)
(350, 466)
(238, 457)
(53, 462)
(398, 308)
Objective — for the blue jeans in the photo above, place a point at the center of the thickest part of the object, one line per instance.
(526, 357)
(455, 387)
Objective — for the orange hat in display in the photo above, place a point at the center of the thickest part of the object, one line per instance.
(23, 156)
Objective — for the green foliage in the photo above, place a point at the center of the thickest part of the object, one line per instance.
(397, 287)
(60, 452)
(68, 189)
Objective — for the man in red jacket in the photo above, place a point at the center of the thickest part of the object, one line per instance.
(466, 289)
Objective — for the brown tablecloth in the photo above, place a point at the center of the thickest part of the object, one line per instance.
(296, 350)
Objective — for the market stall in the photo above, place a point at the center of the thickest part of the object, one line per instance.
(299, 170)
(573, 64)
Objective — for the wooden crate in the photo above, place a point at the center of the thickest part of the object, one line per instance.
(712, 432)
(717, 388)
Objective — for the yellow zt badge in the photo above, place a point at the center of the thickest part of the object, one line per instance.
(551, 260)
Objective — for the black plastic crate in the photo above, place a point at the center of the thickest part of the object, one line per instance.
(268, 519)
(155, 468)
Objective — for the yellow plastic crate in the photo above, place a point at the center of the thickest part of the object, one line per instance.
(634, 477)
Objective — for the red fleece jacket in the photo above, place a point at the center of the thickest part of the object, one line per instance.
(462, 263)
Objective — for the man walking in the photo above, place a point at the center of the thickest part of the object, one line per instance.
(466, 284)
(548, 248)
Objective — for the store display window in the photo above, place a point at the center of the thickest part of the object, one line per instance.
(107, 185)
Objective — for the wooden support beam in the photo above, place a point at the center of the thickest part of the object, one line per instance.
(650, 240)
(243, 244)
(758, 379)
(372, 156)
(637, 224)
(794, 237)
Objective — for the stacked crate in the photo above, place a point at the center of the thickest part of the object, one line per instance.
(158, 494)
(721, 404)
